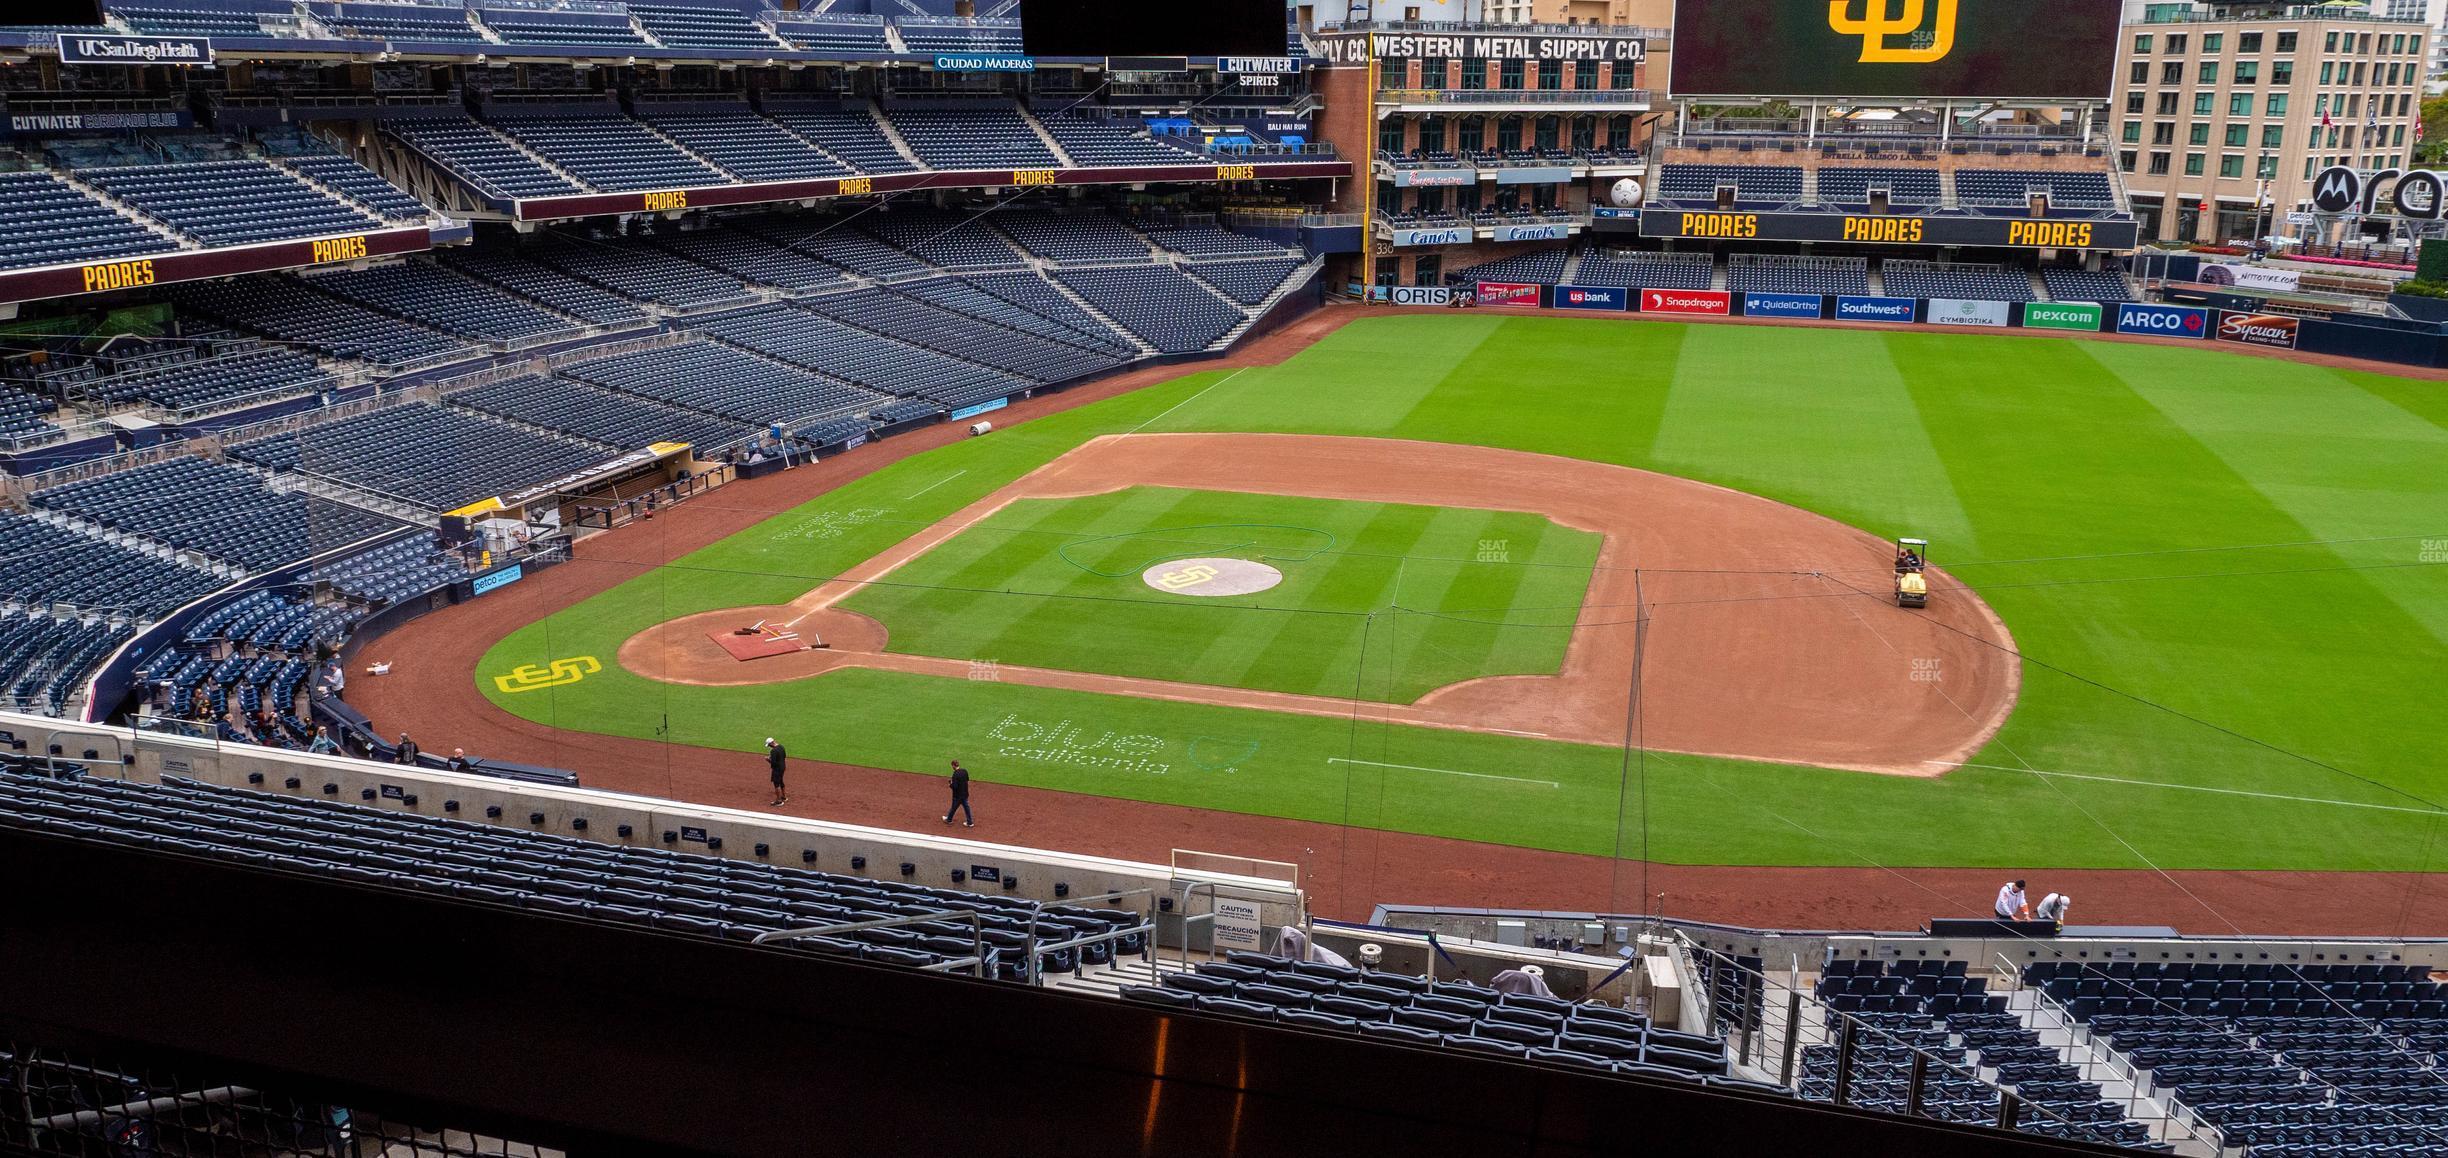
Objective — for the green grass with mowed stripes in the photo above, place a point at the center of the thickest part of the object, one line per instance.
(2227, 575)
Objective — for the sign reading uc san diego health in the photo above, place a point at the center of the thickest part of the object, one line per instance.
(984, 62)
(77, 48)
(1888, 229)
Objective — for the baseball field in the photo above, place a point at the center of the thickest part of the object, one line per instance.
(1620, 589)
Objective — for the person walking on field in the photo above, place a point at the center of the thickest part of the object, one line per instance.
(960, 797)
(776, 759)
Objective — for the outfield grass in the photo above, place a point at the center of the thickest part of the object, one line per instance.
(2224, 572)
(1055, 583)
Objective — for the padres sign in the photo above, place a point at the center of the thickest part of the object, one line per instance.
(1981, 49)
(558, 673)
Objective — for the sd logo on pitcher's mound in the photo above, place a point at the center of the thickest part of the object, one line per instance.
(1209, 578)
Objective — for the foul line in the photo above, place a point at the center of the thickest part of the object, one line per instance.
(1187, 401)
(939, 482)
(1447, 771)
(2189, 787)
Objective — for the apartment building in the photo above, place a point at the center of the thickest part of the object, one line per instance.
(2223, 112)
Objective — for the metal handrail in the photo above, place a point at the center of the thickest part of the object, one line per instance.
(977, 936)
(1189, 918)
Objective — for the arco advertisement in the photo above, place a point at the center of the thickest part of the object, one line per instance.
(2162, 321)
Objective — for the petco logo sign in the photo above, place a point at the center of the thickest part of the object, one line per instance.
(2163, 321)
(1508, 293)
(1853, 309)
(1686, 302)
(2258, 330)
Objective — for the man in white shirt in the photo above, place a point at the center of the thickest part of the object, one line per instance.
(2010, 903)
(2053, 907)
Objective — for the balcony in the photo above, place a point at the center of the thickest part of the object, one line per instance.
(1434, 99)
(1514, 167)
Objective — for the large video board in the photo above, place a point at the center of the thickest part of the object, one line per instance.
(1894, 48)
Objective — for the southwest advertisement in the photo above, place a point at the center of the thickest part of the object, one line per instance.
(1894, 48)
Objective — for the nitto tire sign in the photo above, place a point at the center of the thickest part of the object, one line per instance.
(2270, 330)
(2162, 321)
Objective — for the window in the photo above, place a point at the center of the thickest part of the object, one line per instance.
(1394, 72)
(2202, 102)
(2213, 42)
(2159, 164)
(2248, 72)
(2239, 104)
(2397, 137)
(2140, 74)
(2163, 133)
(1585, 133)
(2268, 168)
(1623, 78)
(2193, 164)
(2125, 159)
(2357, 82)
(1619, 132)
(2248, 42)
(2276, 105)
(2167, 104)
(1474, 74)
(2142, 44)
(2236, 135)
(1510, 76)
(2176, 44)
(2273, 136)
(2208, 73)
(1390, 135)
(2172, 72)
(1509, 134)
(1471, 135)
(2329, 43)
(1546, 132)
(2133, 132)
(2199, 134)
(2286, 42)
(1585, 75)
(2282, 72)
(1432, 135)
(1432, 200)
(2325, 67)
(2133, 102)
(2231, 165)
(1551, 76)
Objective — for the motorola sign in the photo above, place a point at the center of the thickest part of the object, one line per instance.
(2421, 194)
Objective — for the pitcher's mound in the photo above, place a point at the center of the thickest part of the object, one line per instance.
(1210, 577)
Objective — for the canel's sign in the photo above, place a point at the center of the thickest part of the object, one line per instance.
(2417, 193)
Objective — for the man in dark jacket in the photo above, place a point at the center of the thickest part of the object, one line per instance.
(960, 797)
(407, 751)
(777, 759)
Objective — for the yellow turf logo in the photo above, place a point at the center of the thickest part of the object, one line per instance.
(1186, 578)
(1875, 27)
(559, 672)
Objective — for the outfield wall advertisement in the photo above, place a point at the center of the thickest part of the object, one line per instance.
(1964, 312)
(1860, 309)
(1891, 229)
(1591, 297)
(1671, 301)
(1761, 305)
(2162, 321)
(1508, 293)
(1893, 48)
(2273, 330)
(2080, 316)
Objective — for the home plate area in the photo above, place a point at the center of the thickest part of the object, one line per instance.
(762, 640)
(1210, 578)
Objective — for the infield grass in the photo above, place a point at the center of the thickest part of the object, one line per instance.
(1056, 583)
(2227, 575)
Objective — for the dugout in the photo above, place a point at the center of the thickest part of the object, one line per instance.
(599, 498)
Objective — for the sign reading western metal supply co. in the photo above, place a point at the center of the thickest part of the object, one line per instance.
(984, 62)
(2082, 316)
(79, 48)
(1966, 312)
(1352, 48)
(1889, 229)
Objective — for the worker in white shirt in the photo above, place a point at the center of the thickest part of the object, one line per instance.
(2010, 903)
(2053, 907)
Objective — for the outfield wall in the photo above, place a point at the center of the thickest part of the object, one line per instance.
(2222, 322)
